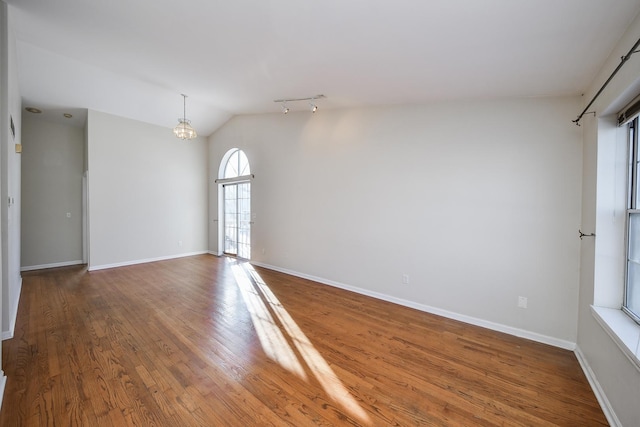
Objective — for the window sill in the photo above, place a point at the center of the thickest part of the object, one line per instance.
(622, 329)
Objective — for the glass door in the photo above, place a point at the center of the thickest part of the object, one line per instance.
(237, 219)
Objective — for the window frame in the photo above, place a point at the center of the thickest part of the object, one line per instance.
(633, 208)
(240, 158)
(235, 158)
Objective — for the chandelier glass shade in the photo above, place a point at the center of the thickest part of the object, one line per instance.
(184, 129)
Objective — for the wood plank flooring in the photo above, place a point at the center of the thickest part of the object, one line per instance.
(207, 341)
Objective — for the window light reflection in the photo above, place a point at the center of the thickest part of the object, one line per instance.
(271, 338)
(276, 345)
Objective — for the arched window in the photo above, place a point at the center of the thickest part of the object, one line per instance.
(235, 209)
(237, 164)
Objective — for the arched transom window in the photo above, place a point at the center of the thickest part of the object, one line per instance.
(237, 165)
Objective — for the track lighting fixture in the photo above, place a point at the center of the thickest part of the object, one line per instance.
(312, 102)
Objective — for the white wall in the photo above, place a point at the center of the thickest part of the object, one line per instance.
(11, 192)
(52, 160)
(9, 178)
(4, 136)
(147, 192)
(9, 182)
(616, 379)
(478, 202)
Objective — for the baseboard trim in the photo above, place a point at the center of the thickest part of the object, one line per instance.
(53, 265)
(556, 342)
(609, 413)
(143, 261)
(7, 335)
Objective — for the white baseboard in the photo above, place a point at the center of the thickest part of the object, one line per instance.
(143, 261)
(7, 335)
(556, 342)
(597, 389)
(53, 265)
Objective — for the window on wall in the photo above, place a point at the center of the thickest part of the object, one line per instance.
(236, 207)
(631, 303)
(237, 165)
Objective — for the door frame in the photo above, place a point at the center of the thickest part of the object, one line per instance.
(221, 183)
(240, 223)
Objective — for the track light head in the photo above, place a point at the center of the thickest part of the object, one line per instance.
(285, 109)
(314, 107)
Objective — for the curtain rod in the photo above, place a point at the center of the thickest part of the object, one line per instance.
(622, 62)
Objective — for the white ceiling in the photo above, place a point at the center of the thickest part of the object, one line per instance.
(135, 58)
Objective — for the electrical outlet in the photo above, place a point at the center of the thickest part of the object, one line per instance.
(522, 302)
(405, 279)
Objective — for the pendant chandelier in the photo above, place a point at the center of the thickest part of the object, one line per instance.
(184, 129)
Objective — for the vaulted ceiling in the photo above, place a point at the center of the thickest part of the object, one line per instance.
(135, 58)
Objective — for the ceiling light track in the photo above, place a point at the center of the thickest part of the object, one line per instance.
(312, 102)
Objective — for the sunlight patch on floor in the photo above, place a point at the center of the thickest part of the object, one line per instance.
(274, 342)
(271, 338)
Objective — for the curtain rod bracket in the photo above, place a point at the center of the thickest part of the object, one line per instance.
(577, 121)
(581, 234)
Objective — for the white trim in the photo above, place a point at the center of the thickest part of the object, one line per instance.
(215, 253)
(622, 330)
(53, 265)
(144, 261)
(607, 409)
(7, 335)
(85, 217)
(556, 342)
(3, 383)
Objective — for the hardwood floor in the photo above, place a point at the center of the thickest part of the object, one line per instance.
(206, 341)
